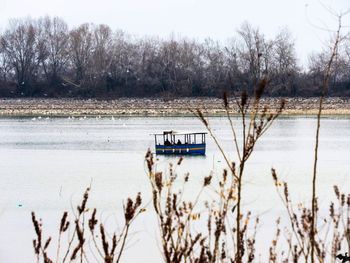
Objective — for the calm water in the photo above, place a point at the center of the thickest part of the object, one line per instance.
(45, 165)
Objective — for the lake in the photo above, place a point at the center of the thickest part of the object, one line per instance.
(47, 163)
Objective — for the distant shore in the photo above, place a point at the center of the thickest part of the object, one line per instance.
(157, 107)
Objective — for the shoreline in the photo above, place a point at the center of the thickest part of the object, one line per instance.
(132, 107)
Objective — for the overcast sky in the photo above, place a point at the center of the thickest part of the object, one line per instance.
(218, 19)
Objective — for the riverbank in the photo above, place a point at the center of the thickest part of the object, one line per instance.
(158, 107)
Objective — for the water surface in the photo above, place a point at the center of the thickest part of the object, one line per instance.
(45, 165)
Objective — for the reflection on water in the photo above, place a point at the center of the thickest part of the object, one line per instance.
(45, 165)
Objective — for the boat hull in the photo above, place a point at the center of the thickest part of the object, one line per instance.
(184, 149)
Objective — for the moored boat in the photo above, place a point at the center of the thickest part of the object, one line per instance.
(180, 143)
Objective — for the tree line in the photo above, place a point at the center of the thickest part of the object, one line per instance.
(45, 58)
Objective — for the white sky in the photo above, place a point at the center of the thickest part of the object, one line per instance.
(218, 19)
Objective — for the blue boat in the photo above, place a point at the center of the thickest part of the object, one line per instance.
(177, 143)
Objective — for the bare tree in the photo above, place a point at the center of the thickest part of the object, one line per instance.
(285, 63)
(53, 48)
(213, 67)
(100, 58)
(19, 45)
(81, 44)
(252, 54)
(5, 66)
(123, 62)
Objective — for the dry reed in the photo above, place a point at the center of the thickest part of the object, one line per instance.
(83, 233)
